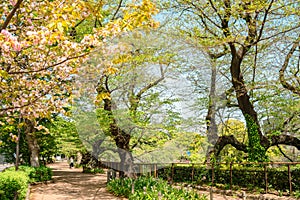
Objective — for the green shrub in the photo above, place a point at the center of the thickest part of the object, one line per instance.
(94, 170)
(13, 183)
(35, 174)
(242, 176)
(41, 174)
(149, 188)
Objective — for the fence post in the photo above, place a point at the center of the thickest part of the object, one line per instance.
(172, 175)
(230, 175)
(290, 178)
(212, 174)
(212, 182)
(155, 172)
(266, 178)
(193, 168)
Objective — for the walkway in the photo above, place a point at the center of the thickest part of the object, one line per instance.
(4, 166)
(72, 184)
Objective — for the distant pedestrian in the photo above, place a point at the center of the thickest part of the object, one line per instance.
(71, 162)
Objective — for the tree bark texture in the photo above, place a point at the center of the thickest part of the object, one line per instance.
(33, 145)
(211, 126)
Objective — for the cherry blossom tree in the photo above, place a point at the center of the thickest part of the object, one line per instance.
(42, 45)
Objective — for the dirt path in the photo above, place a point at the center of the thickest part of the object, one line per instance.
(72, 184)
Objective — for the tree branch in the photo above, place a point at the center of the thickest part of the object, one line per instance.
(264, 21)
(135, 99)
(3, 110)
(229, 139)
(284, 153)
(282, 79)
(48, 67)
(284, 139)
(11, 14)
(150, 85)
(118, 8)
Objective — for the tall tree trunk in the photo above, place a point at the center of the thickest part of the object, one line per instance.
(257, 142)
(18, 146)
(32, 142)
(212, 130)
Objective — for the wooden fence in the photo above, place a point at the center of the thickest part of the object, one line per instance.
(153, 169)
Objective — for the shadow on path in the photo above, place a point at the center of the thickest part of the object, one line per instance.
(72, 184)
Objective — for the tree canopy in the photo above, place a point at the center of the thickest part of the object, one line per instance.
(129, 74)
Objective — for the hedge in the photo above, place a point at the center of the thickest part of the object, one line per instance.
(14, 183)
(247, 177)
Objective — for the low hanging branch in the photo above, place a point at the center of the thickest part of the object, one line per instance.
(228, 139)
(274, 140)
(284, 139)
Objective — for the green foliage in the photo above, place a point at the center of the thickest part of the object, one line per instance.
(238, 130)
(148, 188)
(13, 183)
(297, 194)
(256, 152)
(40, 174)
(62, 138)
(35, 174)
(8, 134)
(251, 177)
(66, 136)
(94, 170)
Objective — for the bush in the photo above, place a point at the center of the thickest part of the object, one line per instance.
(94, 170)
(149, 188)
(41, 174)
(13, 183)
(243, 176)
(35, 174)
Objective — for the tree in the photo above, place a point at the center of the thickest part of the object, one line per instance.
(130, 97)
(43, 43)
(244, 27)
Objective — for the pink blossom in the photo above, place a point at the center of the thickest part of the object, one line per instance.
(6, 33)
(29, 20)
(17, 46)
(12, 2)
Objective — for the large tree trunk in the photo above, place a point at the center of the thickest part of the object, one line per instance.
(127, 163)
(122, 140)
(257, 142)
(212, 129)
(34, 150)
(32, 142)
